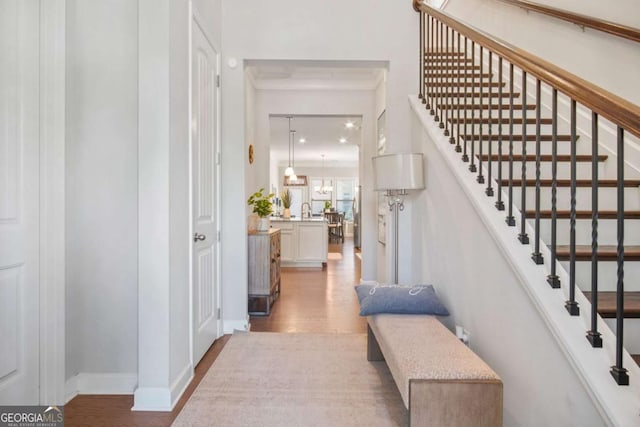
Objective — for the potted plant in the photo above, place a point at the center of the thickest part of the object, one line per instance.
(285, 196)
(327, 206)
(263, 207)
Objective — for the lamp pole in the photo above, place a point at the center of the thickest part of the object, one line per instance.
(395, 200)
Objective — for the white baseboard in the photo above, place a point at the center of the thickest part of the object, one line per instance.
(89, 383)
(180, 384)
(161, 398)
(235, 325)
(152, 399)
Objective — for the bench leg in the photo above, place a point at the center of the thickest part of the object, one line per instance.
(374, 354)
(455, 403)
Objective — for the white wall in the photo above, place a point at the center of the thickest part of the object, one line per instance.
(101, 176)
(483, 292)
(605, 60)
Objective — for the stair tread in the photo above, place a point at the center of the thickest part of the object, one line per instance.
(499, 120)
(516, 107)
(564, 214)
(607, 304)
(545, 157)
(636, 357)
(462, 84)
(462, 94)
(579, 182)
(516, 137)
(605, 253)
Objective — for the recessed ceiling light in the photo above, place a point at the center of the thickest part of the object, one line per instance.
(343, 140)
(349, 125)
(302, 140)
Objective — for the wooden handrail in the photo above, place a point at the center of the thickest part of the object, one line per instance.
(585, 21)
(612, 107)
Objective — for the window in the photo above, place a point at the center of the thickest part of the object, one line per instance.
(345, 195)
(318, 199)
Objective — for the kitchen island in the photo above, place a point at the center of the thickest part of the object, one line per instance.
(303, 241)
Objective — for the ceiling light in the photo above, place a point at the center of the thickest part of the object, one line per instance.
(302, 140)
(289, 170)
(349, 125)
(343, 140)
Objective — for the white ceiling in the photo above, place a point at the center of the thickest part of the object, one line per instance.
(322, 134)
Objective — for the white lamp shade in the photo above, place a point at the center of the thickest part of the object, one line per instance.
(288, 171)
(401, 171)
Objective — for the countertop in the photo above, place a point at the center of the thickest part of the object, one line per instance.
(296, 219)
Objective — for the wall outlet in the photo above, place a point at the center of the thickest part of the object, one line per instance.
(463, 335)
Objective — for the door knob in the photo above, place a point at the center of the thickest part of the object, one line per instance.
(197, 237)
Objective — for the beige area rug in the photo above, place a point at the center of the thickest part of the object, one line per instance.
(274, 379)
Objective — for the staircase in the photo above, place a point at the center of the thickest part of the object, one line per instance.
(522, 130)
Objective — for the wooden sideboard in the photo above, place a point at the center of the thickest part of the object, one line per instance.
(264, 270)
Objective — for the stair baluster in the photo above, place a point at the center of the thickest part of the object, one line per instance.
(593, 335)
(536, 256)
(523, 237)
(618, 372)
(489, 190)
(552, 278)
(459, 97)
(480, 177)
(572, 305)
(465, 156)
(472, 166)
(511, 221)
(499, 202)
(447, 92)
(421, 76)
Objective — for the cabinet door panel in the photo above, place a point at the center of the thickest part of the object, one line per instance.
(311, 239)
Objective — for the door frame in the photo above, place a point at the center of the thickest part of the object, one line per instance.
(52, 202)
(196, 19)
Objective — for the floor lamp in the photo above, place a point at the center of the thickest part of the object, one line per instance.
(396, 174)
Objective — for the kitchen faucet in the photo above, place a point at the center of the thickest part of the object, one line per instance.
(308, 214)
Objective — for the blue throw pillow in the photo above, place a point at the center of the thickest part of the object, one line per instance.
(399, 299)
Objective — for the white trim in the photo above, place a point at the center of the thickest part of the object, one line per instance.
(52, 202)
(90, 383)
(180, 384)
(152, 399)
(236, 325)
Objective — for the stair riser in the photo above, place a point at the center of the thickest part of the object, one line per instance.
(545, 147)
(631, 333)
(583, 170)
(607, 232)
(607, 275)
(606, 198)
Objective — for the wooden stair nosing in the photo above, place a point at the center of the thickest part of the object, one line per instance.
(607, 304)
(565, 214)
(440, 66)
(516, 138)
(544, 157)
(462, 84)
(471, 74)
(463, 95)
(636, 358)
(499, 121)
(603, 183)
(605, 253)
(516, 107)
(438, 53)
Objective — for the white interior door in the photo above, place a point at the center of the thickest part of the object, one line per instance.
(19, 203)
(205, 291)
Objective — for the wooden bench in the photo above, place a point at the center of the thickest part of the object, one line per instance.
(442, 382)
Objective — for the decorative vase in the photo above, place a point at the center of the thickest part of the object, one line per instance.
(287, 213)
(263, 224)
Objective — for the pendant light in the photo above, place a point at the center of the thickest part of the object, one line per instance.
(293, 177)
(323, 189)
(289, 170)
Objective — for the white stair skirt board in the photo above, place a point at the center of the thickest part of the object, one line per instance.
(618, 405)
(88, 383)
(235, 325)
(161, 398)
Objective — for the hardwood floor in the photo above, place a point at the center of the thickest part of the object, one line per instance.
(311, 300)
